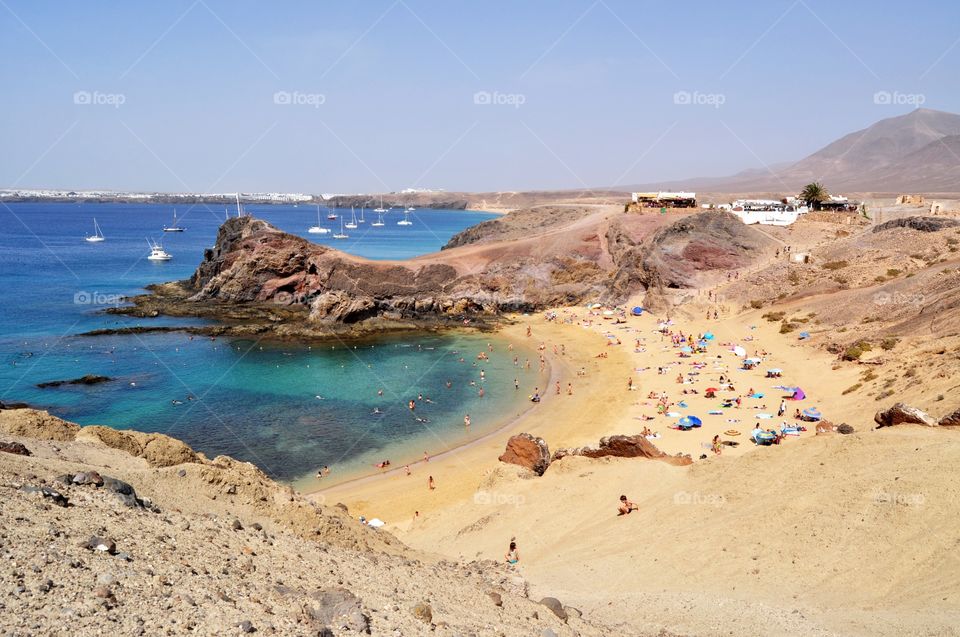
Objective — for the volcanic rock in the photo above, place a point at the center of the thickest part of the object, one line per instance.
(901, 414)
(951, 420)
(88, 379)
(624, 447)
(527, 451)
(15, 448)
(923, 224)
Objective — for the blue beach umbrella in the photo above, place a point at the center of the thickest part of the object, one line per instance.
(688, 422)
(812, 413)
(686, 349)
(708, 336)
(637, 311)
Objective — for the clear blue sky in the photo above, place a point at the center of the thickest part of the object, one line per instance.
(597, 81)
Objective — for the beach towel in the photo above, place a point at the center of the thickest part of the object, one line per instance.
(764, 416)
(715, 412)
(673, 414)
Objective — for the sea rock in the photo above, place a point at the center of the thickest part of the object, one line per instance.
(555, 607)
(902, 413)
(951, 420)
(88, 379)
(625, 447)
(15, 448)
(527, 451)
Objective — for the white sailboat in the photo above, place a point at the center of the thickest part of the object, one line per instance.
(406, 220)
(381, 209)
(174, 227)
(331, 215)
(353, 219)
(361, 219)
(97, 235)
(379, 222)
(410, 209)
(318, 229)
(341, 235)
(157, 253)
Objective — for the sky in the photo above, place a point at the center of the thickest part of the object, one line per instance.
(377, 96)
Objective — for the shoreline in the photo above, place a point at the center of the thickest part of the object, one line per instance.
(459, 448)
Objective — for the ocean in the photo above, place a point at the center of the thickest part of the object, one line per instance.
(288, 408)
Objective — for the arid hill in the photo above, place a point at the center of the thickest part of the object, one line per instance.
(523, 262)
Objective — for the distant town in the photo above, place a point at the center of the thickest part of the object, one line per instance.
(107, 196)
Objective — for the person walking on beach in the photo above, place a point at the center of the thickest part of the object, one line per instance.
(466, 421)
(431, 484)
(426, 457)
(630, 384)
(558, 388)
(516, 384)
(783, 408)
(569, 389)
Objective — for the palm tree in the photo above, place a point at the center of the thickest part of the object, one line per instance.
(814, 194)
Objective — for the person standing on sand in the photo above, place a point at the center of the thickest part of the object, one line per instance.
(558, 388)
(630, 384)
(431, 484)
(783, 408)
(529, 331)
(516, 384)
(407, 469)
(466, 421)
(569, 389)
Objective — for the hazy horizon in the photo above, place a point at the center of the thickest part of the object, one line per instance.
(209, 96)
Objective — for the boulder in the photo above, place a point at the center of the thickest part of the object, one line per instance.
(625, 447)
(157, 449)
(15, 448)
(555, 607)
(339, 608)
(951, 420)
(844, 428)
(423, 612)
(88, 379)
(527, 451)
(903, 414)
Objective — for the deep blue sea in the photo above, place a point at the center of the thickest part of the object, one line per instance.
(288, 408)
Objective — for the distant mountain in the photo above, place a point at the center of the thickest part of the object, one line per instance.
(919, 151)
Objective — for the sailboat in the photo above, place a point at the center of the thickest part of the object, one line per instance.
(174, 227)
(406, 220)
(361, 219)
(379, 222)
(157, 253)
(353, 219)
(318, 229)
(410, 209)
(381, 208)
(340, 235)
(97, 235)
(331, 215)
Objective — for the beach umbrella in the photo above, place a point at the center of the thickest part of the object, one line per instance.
(689, 421)
(798, 394)
(812, 413)
(376, 523)
(637, 311)
(686, 349)
(708, 336)
(713, 389)
(754, 360)
(608, 312)
(595, 306)
(804, 335)
(739, 351)
(775, 370)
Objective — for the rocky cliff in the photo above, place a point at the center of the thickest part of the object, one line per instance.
(274, 281)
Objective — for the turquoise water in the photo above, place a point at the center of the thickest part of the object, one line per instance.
(288, 408)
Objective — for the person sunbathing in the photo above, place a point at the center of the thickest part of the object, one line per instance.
(626, 506)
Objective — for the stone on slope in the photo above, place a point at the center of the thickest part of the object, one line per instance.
(624, 447)
(527, 451)
(15, 448)
(901, 414)
(951, 420)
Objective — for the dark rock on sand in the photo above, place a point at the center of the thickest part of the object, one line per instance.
(47, 493)
(624, 447)
(124, 491)
(88, 379)
(555, 607)
(337, 607)
(923, 224)
(901, 414)
(101, 544)
(844, 428)
(15, 448)
(951, 420)
(527, 451)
